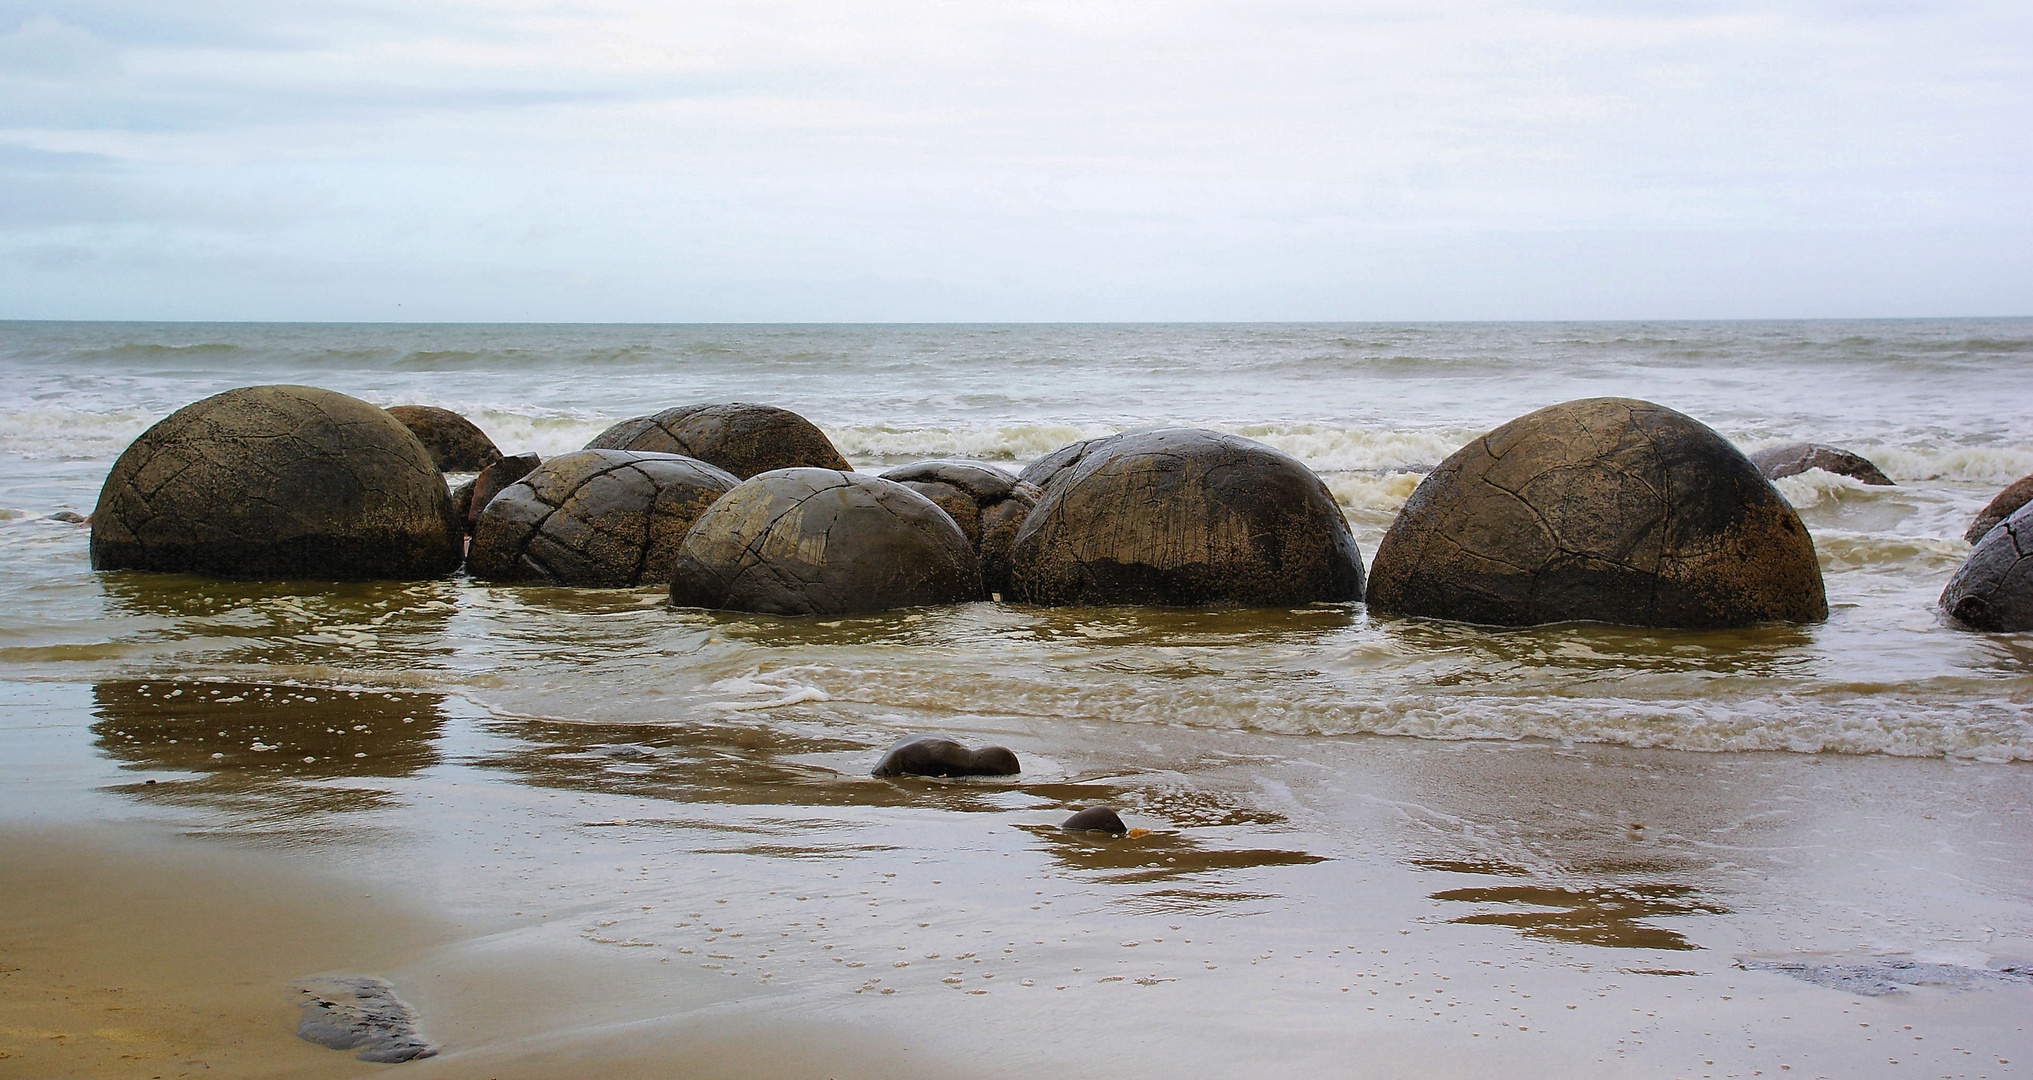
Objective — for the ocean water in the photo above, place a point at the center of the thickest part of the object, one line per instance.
(1655, 787)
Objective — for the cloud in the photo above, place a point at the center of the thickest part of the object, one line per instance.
(43, 47)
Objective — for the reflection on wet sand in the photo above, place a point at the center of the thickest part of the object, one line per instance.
(1194, 872)
(287, 622)
(1608, 915)
(268, 752)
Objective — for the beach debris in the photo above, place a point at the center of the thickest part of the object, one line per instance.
(598, 518)
(1883, 975)
(1993, 589)
(1096, 819)
(1601, 510)
(823, 542)
(1179, 516)
(987, 503)
(361, 1013)
(933, 755)
(2002, 505)
(455, 443)
(744, 439)
(277, 482)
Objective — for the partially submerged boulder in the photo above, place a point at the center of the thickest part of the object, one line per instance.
(823, 542)
(2001, 506)
(277, 482)
(1795, 458)
(1993, 589)
(1180, 516)
(741, 438)
(1604, 510)
(471, 497)
(455, 443)
(597, 518)
(933, 755)
(987, 503)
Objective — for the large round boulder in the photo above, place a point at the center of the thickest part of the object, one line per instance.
(743, 439)
(1180, 516)
(1601, 510)
(1777, 462)
(823, 542)
(1993, 590)
(987, 503)
(2003, 505)
(598, 518)
(277, 482)
(455, 443)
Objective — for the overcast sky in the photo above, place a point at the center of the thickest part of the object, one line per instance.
(702, 160)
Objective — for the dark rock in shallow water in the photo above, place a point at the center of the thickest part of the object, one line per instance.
(1993, 589)
(455, 443)
(1604, 510)
(69, 517)
(987, 503)
(361, 1014)
(1780, 461)
(2001, 506)
(1095, 819)
(822, 542)
(1180, 516)
(599, 518)
(741, 438)
(277, 482)
(473, 496)
(930, 755)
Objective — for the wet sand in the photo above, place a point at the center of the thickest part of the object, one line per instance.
(736, 897)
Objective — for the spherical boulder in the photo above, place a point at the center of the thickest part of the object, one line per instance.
(597, 518)
(743, 439)
(1180, 516)
(1993, 589)
(823, 542)
(1601, 510)
(455, 443)
(987, 503)
(2001, 506)
(473, 496)
(277, 482)
(1795, 458)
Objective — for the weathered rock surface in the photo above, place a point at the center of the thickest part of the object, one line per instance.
(1180, 516)
(363, 1014)
(1780, 461)
(471, 497)
(987, 503)
(1993, 589)
(932, 755)
(2003, 505)
(1604, 510)
(277, 482)
(598, 518)
(1095, 819)
(823, 542)
(455, 443)
(741, 438)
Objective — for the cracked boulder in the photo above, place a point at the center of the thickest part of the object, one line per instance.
(1993, 590)
(824, 542)
(2001, 506)
(277, 482)
(987, 503)
(1601, 510)
(1782, 461)
(596, 518)
(1179, 516)
(743, 439)
(471, 497)
(455, 443)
